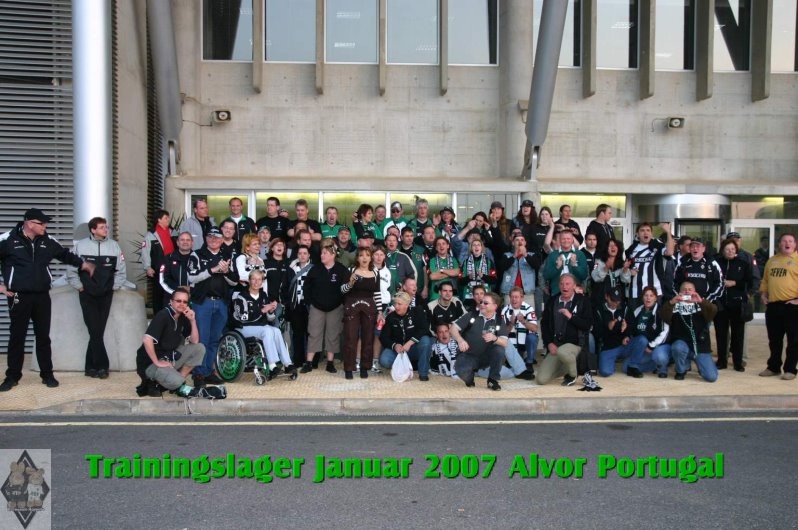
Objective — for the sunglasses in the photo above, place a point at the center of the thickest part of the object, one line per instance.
(38, 223)
(484, 302)
(179, 301)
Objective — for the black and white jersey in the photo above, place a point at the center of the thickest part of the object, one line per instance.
(649, 262)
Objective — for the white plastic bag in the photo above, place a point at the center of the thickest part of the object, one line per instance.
(402, 370)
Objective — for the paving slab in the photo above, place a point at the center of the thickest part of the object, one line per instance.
(321, 393)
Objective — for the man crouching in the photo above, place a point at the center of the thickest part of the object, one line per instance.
(164, 358)
(481, 339)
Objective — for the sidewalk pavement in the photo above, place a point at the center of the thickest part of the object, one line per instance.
(321, 393)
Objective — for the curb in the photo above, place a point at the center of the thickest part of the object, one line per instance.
(415, 407)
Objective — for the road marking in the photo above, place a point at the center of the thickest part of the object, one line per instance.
(366, 423)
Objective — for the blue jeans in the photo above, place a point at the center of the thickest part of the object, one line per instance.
(638, 358)
(632, 354)
(683, 356)
(513, 358)
(662, 357)
(211, 318)
(531, 347)
(419, 352)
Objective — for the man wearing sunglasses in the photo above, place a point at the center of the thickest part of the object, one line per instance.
(481, 339)
(164, 358)
(26, 252)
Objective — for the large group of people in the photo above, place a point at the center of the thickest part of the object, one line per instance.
(461, 298)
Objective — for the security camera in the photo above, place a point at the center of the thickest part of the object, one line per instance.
(675, 123)
(221, 116)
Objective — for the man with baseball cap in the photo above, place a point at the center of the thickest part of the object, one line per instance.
(397, 218)
(211, 274)
(25, 253)
(702, 272)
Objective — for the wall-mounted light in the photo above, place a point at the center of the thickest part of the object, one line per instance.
(675, 122)
(221, 116)
(672, 122)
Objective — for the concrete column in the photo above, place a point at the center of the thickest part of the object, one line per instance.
(258, 49)
(647, 69)
(588, 48)
(443, 45)
(515, 60)
(704, 48)
(320, 14)
(92, 108)
(382, 45)
(761, 30)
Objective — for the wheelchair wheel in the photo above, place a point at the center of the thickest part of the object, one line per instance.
(231, 356)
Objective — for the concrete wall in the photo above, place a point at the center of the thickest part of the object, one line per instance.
(351, 134)
(132, 75)
(726, 140)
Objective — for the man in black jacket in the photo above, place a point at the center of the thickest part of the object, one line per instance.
(174, 270)
(212, 275)
(26, 251)
(689, 315)
(566, 322)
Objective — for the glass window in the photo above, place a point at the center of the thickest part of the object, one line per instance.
(782, 58)
(470, 203)
(764, 207)
(291, 31)
(473, 32)
(732, 35)
(436, 202)
(219, 205)
(585, 205)
(675, 35)
(570, 50)
(351, 33)
(287, 201)
(412, 31)
(227, 30)
(616, 34)
(348, 203)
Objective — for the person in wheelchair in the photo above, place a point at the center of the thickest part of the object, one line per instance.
(258, 318)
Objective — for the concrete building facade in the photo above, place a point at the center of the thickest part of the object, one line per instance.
(343, 132)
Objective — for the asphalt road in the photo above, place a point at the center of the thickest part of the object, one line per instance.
(756, 490)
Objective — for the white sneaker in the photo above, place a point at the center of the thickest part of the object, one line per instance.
(375, 367)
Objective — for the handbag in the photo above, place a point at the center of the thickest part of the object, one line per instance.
(746, 311)
(402, 370)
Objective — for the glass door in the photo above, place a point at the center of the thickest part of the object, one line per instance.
(707, 229)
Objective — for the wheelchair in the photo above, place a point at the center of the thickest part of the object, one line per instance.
(237, 354)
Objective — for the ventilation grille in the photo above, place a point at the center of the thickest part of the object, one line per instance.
(36, 120)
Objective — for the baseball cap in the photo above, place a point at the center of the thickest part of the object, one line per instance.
(527, 202)
(496, 204)
(698, 241)
(615, 294)
(367, 234)
(264, 227)
(733, 234)
(35, 214)
(344, 229)
(447, 209)
(396, 205)
(214, 232)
